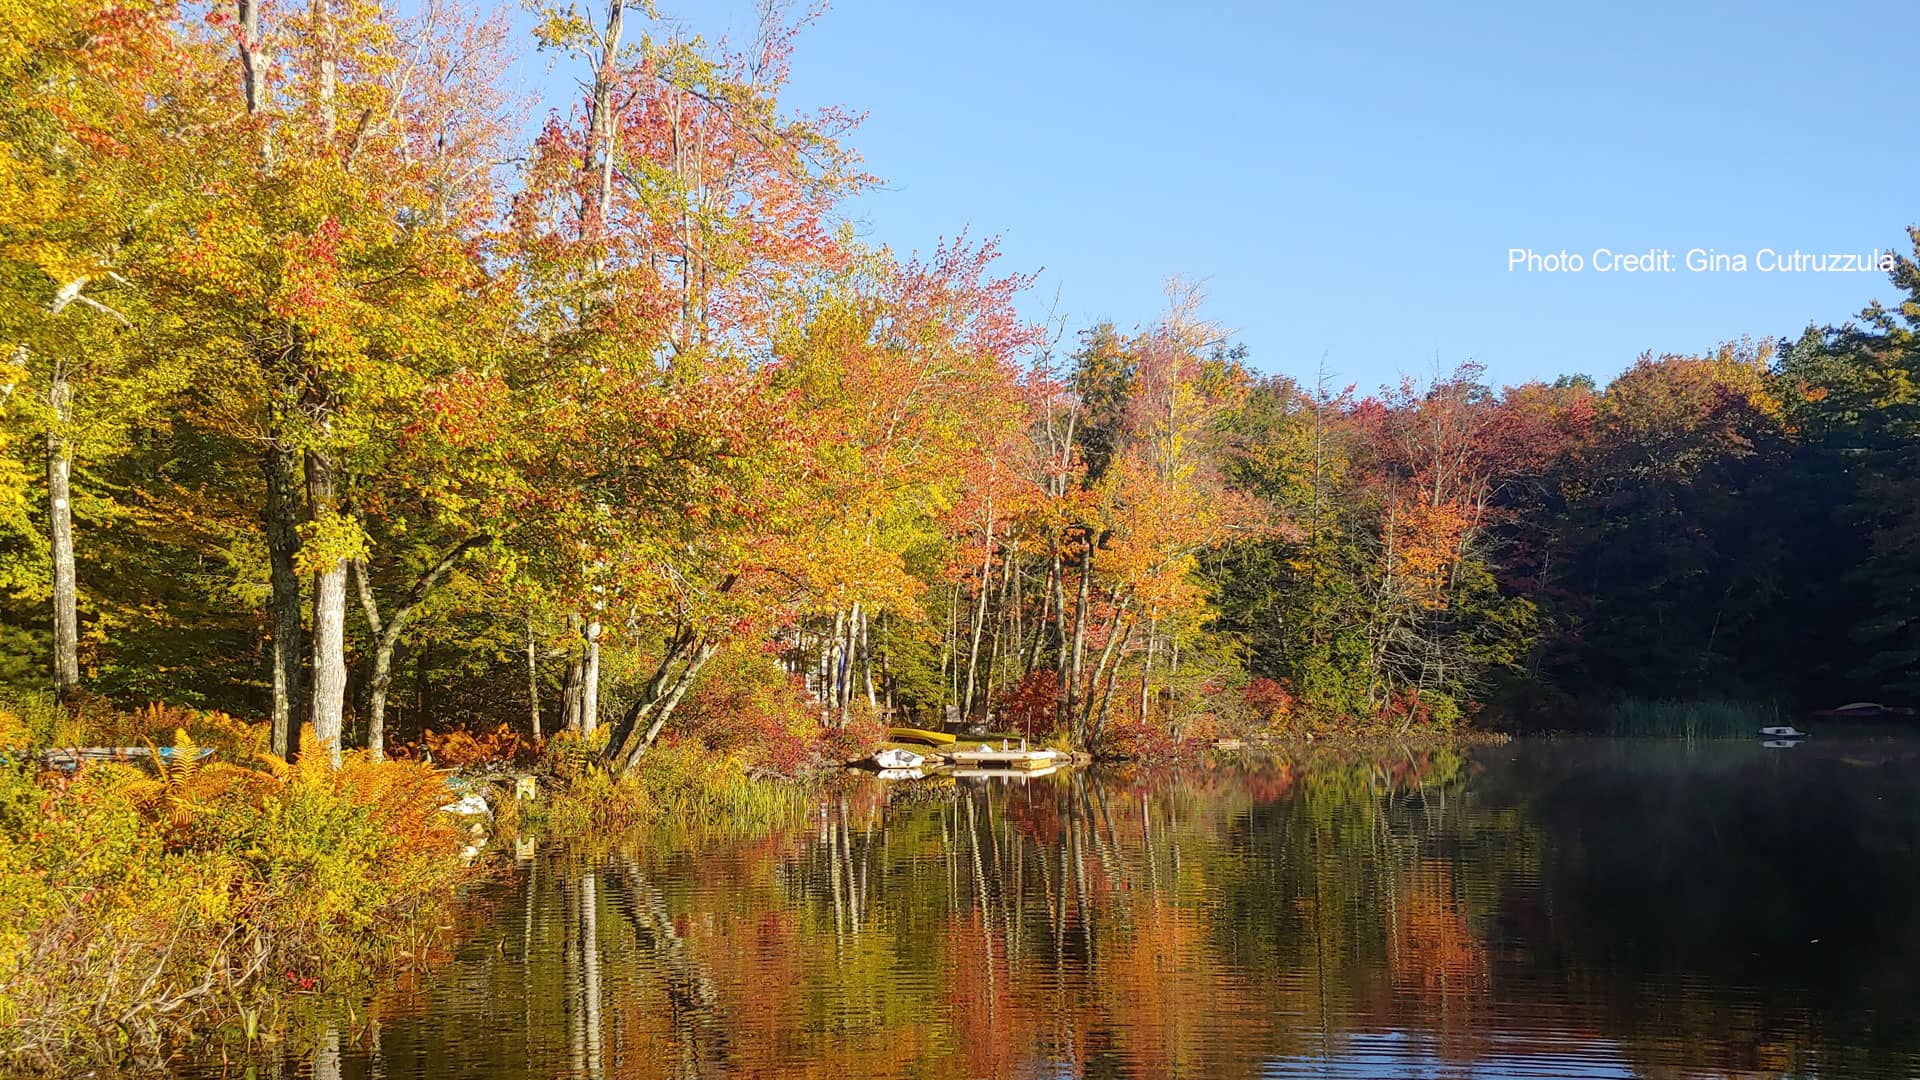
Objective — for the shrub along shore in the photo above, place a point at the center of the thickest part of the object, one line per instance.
(144, 904)
(206, 887)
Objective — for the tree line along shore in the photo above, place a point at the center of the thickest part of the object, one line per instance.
(332, 402)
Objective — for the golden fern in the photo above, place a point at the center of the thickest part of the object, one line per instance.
(175, 776)
(275, 764)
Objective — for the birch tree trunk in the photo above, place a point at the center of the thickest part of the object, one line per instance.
(597, 199)
(576, 672)
(979, 620)
(866, 659)
(377, 702)
(596, 203)
(834, 668)
(329, 617)
(590, 679)
(1109, 668)
(66, 619)
(533, 679)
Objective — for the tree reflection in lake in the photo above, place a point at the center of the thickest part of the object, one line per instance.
(1545, 908)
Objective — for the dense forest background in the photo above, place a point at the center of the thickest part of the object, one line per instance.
(326, 400)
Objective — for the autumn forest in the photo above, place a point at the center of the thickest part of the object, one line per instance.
(327, 399)
(392, 475)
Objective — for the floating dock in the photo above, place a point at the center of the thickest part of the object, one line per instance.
(1003, 773)
(985, 757)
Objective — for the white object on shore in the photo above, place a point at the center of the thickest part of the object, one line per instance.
(470, 805)
(898, 759)
(1786, 732)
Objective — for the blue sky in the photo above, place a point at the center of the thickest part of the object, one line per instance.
(1348, 179)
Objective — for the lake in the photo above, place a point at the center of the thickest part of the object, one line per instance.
(1544, 908)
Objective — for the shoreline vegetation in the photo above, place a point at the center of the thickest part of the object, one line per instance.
(163, 906)
(615, 456)
(144, 907)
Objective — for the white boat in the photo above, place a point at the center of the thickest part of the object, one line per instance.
(1786, 732)
(898, 759)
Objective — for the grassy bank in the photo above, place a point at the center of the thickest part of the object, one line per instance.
(679, 780)
(1717, 718)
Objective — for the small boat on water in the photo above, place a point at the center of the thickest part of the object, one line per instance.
(894, 758)
(1787, 731)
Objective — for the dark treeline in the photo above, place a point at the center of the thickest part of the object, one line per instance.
(1735, 525)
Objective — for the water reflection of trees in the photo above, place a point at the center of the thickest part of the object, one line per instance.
(1526, 905)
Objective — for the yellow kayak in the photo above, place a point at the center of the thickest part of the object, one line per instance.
(920, 735)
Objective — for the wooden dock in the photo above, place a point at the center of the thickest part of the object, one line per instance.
(1022, 774)
(985, 757)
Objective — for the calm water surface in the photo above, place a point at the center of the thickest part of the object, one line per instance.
(1566, 908)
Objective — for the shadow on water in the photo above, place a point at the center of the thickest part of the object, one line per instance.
(1547, 908)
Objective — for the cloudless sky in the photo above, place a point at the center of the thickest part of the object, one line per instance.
(1348, 177)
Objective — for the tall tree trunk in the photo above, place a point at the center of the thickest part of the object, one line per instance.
(1070, 683)
(329, 616)
(1109, 667)
(979, 620)
(866, 659)
(576, 674)
(1146, 669)
(835, 650)
(386, 635)
(1019, 650)
(590, 678)
(533, 679)
(596, 200)
(377, 701)
(950, 654)
(253, 69)
(852, 655)
(628, 741)
(66, 619)
(283, 547)
(282, 511)
(1057, 591)
(328, 45)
